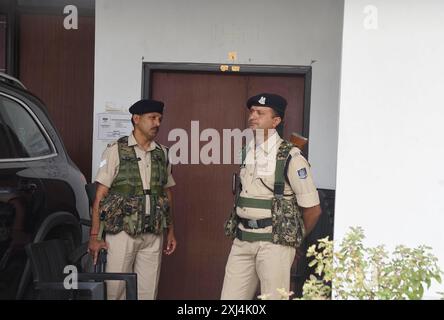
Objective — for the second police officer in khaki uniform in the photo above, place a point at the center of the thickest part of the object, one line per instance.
(133, 192)
(267, 223)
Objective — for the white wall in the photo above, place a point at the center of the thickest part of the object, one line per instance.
(390, 175)
(280, 32)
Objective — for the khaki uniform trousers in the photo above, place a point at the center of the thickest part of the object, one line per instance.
(141, 254)
(251, 262)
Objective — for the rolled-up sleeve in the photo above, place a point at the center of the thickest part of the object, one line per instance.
(109, 166)
(301, 181)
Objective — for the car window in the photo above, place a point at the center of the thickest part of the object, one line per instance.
(20, 136)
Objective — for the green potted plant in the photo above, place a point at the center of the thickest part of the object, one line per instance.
(359, 272)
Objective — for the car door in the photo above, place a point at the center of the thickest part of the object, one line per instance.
(23, 145)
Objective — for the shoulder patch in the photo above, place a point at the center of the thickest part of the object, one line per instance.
(302, 173)
(102, 163)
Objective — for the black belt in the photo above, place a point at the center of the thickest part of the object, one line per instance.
(255, 224)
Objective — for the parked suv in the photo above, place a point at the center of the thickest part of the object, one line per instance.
(42, 192)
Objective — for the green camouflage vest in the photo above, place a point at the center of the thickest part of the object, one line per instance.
(125, 204)
(287, 223)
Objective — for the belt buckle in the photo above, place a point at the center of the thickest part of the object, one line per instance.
(253, 224)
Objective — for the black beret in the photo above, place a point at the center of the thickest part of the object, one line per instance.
(146, 106)
(271, 100)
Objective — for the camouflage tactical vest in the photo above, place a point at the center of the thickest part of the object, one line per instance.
(125, 204)
(287, 223)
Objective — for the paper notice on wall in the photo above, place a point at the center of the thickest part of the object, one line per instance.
(112, 126)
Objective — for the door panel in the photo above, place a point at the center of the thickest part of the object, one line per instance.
(57, 65)
(202, 196)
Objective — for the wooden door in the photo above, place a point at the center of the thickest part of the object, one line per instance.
(202, 196)
(57, 65)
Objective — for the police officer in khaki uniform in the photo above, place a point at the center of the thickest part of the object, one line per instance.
(134, 194)
(278, 205)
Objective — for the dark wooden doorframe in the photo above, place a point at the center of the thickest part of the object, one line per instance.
(244, 69)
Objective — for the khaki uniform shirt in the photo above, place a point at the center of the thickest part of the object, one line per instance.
(260, 163)
(109, 166)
